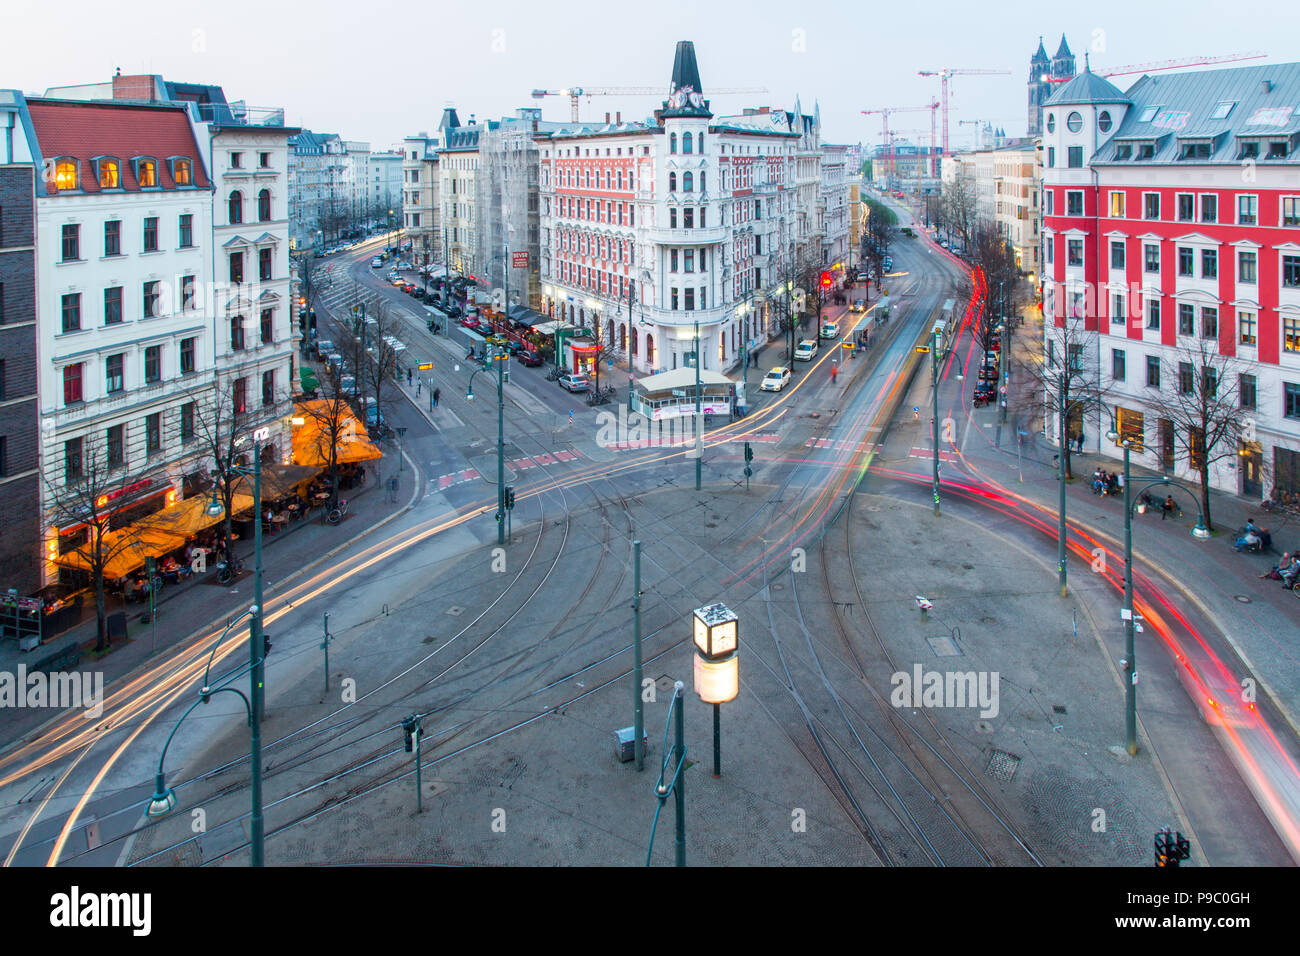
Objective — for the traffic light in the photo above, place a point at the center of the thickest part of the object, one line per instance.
(266, 644)
(826, 280)
(510, 496)
(749, 452)
(408, 731)
(1171, 849)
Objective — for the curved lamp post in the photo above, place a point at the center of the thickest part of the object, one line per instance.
(1130, 625)
(164, 797)
(499, 356)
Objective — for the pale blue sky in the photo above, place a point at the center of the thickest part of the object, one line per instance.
(377, 71)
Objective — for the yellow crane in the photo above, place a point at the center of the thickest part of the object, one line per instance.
(574, 93)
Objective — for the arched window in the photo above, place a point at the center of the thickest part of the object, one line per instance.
(701, 142)
(109, 174)
(236, 206)
(701, 180)
(686, 143)
(688, 181)
(649, 350)
(147, 173)
(672, 142)
(672, 182)
(264, 206)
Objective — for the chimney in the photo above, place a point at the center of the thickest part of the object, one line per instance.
(1266, 86)
(618, 118)
(606, 119)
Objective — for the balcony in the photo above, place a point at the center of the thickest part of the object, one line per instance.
(688, 237)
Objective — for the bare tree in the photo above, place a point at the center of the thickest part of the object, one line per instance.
(603, 349)
(1066, 379)
(95, 483)
(1205, 408)
(955, 211)
(379, 361)
(225, 429)
(332, 419)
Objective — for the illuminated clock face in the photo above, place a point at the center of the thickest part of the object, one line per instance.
(701, 636)
(724, 638)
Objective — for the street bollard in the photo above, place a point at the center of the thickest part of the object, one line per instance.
(924, 605)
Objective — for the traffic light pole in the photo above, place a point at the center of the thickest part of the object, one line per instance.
(934, 427)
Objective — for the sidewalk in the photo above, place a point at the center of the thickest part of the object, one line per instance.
(199, 603)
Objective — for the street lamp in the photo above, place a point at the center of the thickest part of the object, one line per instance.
(717, 665)
(500, 356)
(163, 800)
(1130, 661)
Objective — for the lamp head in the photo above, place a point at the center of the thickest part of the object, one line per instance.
(1200, 531)
(214, 508)
(1113, 435)
(163, 800)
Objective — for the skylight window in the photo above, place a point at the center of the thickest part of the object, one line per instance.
(1148, 114)
(1223, 109)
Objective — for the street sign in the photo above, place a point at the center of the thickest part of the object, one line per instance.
(425, 366)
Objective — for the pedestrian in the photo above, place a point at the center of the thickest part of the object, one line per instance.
(1080, 440)
(437, 393)
(408, 377)
(834, 372)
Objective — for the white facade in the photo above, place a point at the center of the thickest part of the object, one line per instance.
(385, 190)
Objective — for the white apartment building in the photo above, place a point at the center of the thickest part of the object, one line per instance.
(123, 275)
(385, 191)
(421, 220)
(834, 201)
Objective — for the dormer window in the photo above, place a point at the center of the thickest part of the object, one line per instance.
(1277, 149)
(1249, 150)
(65, 174)
(1146, 150)
(146, 171)
(1194, 149)
(1124, 151)
(182, 171)
(108, 172)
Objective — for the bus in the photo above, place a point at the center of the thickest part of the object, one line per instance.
(943, 326)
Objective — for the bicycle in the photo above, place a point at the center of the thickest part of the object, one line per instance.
(227, 571)
(338, 513)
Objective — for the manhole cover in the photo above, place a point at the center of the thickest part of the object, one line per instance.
(1244, 599)
(1002, 766)
(455, 610)
(943, 646)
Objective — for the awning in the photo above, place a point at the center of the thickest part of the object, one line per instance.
(323, 419)
(127, 549)
(680, 378)
(472, 335)
(277, 480)
(187, 518)
(307, 376)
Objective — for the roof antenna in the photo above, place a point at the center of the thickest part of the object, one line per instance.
(1086, 67)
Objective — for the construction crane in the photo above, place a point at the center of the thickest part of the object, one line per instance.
(575, 92)
(1168, 65)
(886, 112)
(944, 75)
(977, 124)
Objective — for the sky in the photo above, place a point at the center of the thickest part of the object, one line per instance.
(379, 71)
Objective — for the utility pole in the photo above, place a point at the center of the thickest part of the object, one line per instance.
(934, 391)
(638, 708)
(1060, 479)
(699, 412)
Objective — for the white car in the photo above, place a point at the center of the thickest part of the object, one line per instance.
(775, 380)
(376, 263)
(830, 330)
(805, 350)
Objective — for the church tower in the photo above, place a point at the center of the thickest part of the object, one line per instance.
(1040, 68)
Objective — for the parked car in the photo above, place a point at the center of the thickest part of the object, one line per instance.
(571, 382)
(529, 357)
(376, 263)
(470, 322)
(830, 330)
(805, 350)
(323, 348)
(775, 380)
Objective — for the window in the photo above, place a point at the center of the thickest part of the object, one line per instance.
(1051, 157)
(688, 218)
(72, 383)
(187, 230)
(1247, 325)
(1186, 207)
(72, 312)
(65, 174)
(1117, 254)
(264, 205)
(264, 160)
(672, 218)
(240, 393)
(181, 172)
(150, 299)
(1124, 151)
(1153, 372)
(1291, 210)
(187, 355)
(1246, 390)
(1153, 313)
(672, 142)
(1049, 194)
(1291, 271)
(1186, 261)
(187, 293)
(1074, 122)
(1117, 364)
(1150, 257)
(1209, 322)
(72, 460)
(152, 364)
(1290, 333)
(151, 234)
(187, 422)
(235, 207)
(1277, 149)
(153, 433)
(146, 173)
(1074, 157)
(1196, 447)
(1150, 205)
(1185, 378)
(116, 446)
(1132, 427)
(1209, 263)
(1291, 400)
(1074, 252)
(109, 174)
(1104, 121)
(113, 237)
(268, 388)
(674, 300)
(1074, 203)
(1246, 267)
(688, 259)
(1249, 150)
(1146, 151)
(1186, 319)
(686, 143)
(1074, 355)
(1247, 210)
(236, 160)
(236, 267)
(1051, 122)
(1117, 310)
(264, 264)
(236, 333)
(71, 243)
(672, 260)
(268, 326)
(690, 300)
(113, 372)
(688, 181)
(1117, 205)
(1209, 208)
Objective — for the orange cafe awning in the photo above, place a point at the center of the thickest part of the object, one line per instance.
(311, 439)
(128, 547)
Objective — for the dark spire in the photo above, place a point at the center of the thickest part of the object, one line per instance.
(1064, 49)
(1041, 53)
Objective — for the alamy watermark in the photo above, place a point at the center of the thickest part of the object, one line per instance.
(57, 690)
(945, 689)
(634, 430)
